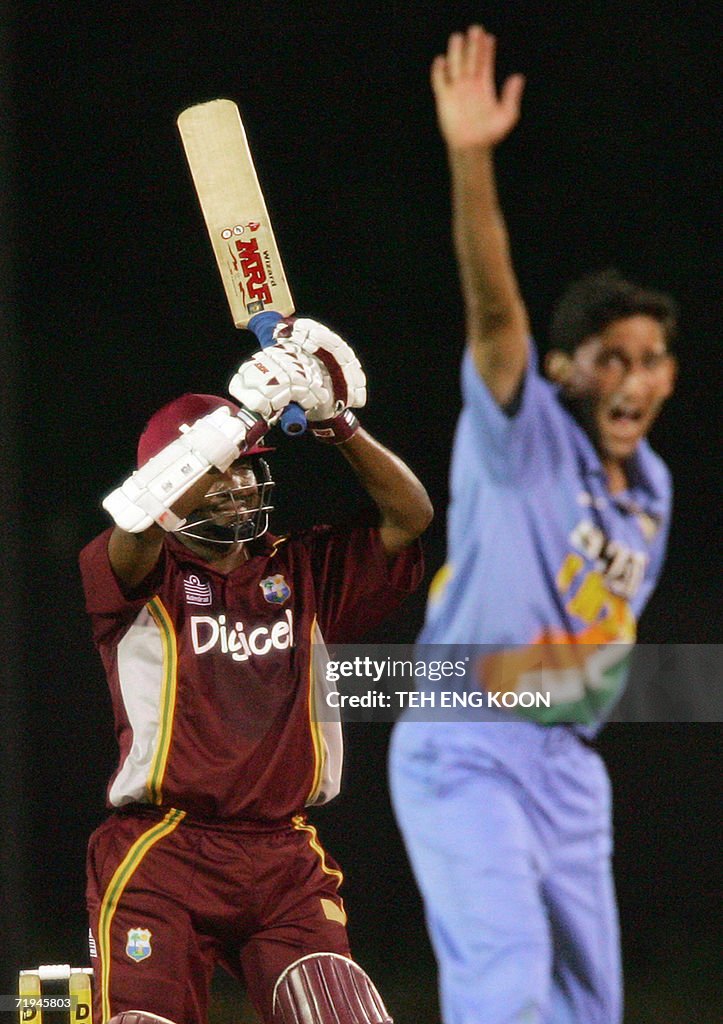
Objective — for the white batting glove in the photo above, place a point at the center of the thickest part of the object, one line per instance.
(341, 371)
(271, 379)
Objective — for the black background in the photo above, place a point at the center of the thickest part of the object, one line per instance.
(115, 307)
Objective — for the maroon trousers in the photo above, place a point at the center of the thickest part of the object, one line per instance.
(169, 898)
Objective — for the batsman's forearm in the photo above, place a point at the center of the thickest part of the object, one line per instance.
(403, 503)
(134, 555)
(489, 284)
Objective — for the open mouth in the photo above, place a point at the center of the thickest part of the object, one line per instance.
(619, 414)
(625, 421)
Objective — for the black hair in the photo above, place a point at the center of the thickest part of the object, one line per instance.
(596, 300)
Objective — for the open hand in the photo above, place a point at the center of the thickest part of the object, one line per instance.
(469, 110)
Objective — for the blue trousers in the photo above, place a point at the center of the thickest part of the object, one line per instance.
(508, 831)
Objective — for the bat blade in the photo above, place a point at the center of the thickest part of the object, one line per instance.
(233, 207)
(238, 224)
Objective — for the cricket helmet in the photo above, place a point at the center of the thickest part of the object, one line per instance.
(164, 426)
(243, 523)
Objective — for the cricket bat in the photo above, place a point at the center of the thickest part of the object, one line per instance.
(238, 224)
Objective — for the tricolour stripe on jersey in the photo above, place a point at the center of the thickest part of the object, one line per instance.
(317, 739)
(116, 887)
(302, 825)
(324, 724)
(167, 707)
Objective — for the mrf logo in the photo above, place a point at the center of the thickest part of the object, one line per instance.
(253, 270)
(138, 946)
(275, 589)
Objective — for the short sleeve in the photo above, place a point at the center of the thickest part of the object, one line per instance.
(109, 607)
(356, 582)
(508, 441)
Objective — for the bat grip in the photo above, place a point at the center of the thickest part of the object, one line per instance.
(293, 420)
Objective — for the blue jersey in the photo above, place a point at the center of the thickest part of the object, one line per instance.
(540, 552)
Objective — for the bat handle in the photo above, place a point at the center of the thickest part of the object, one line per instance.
(293, 420)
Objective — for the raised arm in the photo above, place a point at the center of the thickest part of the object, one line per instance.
(181, 453)
(133, 556)
(473, 119)
(405, 508)
(340, 387)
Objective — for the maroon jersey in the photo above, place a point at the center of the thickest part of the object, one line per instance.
(215, 676)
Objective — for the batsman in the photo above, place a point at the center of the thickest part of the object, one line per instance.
(211, 631)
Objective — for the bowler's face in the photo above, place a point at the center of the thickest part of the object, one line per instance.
(628, 374)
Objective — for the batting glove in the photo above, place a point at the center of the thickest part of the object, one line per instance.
(331, 421)
(268, 381)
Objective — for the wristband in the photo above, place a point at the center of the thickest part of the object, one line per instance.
(336, 430)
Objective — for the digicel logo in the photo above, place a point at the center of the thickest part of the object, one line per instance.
(209, 632)
(252, 268)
